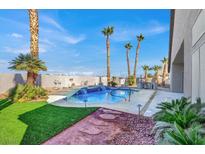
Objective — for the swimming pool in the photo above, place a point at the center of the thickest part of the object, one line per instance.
(100, 94)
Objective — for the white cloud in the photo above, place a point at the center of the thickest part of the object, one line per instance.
(23, 50)
(51, 21)
(16, 50)
(3, 63)
(74, 40)
(55, 35)
(42, 49)
(46, 42)
(157, 30)
(124, 33)
(61, 34)
(76, 54)
(16, 35)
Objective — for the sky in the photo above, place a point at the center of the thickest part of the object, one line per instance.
(71, 41)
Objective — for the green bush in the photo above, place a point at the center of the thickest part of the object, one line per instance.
(131, 80)
(23, 93)
(113, 83)
(194, 135)
(180, 113)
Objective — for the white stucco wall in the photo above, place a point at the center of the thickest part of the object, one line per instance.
(202, 72)
(189, 31)
(198, 29)
(8, 81)
(195, 75)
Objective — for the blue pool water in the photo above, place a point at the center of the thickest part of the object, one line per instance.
(99, 95)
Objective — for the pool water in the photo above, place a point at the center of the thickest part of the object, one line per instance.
(100, 96)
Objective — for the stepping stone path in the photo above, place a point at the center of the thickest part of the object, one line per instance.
(90, 130)
(111, 111)
(98, 122)
(102, 127)
(107, 116)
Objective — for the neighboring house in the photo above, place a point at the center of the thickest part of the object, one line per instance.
(187, 52)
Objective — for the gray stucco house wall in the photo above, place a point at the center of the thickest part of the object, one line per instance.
(187, 52)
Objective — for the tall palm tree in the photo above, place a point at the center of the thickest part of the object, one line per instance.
(128, 46)
(28, 63)
(146, 68)
(164, 73)
(139, 39)
(107, 32)
(34, 28)
(156, 68)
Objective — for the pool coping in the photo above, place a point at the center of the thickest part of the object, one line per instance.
(141, 97)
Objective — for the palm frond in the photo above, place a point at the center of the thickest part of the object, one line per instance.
(27, 63)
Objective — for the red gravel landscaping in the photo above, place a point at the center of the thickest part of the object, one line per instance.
(108, 127)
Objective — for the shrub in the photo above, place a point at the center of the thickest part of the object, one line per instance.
(180, 111)
(194, 135)
(113, 84)
(131, 80)
(23, 93)
(177, 113)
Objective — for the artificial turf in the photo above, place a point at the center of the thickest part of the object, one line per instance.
(34, 123)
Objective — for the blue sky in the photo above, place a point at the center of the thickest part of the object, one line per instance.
(71, 41)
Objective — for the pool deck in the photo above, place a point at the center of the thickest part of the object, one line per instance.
(148, 99)
(137, 98)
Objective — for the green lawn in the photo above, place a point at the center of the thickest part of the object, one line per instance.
(34, 123)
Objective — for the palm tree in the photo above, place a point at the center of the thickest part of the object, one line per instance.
(156, 68)
(107, 32)
(146, 68)
(28, 63)
(139, 39)
(128, 46)
(164, 73)
(34, 28)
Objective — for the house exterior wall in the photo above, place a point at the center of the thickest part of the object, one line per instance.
(189, 30)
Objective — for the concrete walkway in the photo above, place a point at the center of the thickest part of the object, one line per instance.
(161, 96)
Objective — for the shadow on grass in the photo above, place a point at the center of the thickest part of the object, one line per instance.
(47, 121)
(4, 103)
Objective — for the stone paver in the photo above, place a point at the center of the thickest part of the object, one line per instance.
(107, 116)
(111, 111)
(90, 130)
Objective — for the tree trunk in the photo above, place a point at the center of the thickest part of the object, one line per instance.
(33, 18)
(164, 75)
(136, 62)
(108, 60)
(145, 76)
(30, 79)
(157, 77)
(128, 63)
(34, 28)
